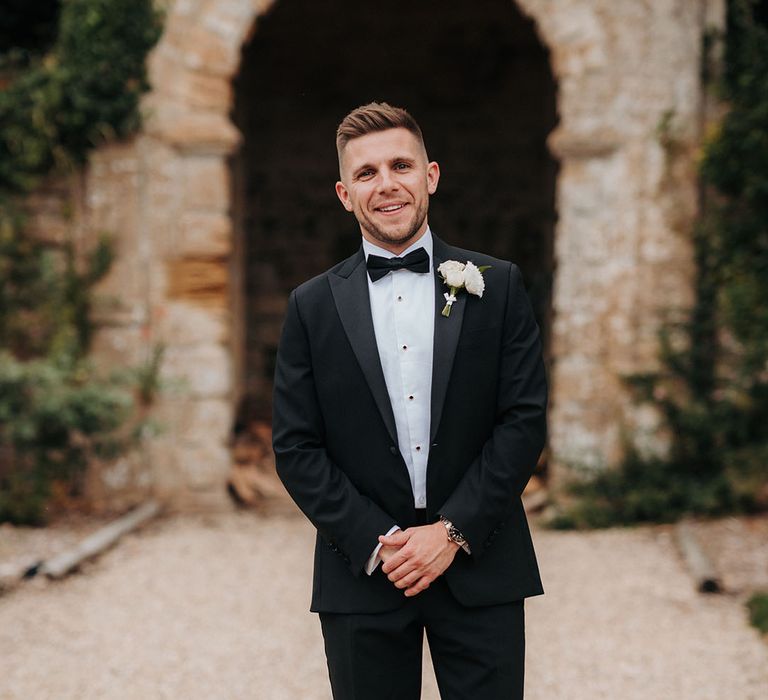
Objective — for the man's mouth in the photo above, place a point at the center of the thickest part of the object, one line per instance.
(390, 208)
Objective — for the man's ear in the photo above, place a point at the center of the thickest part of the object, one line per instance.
(433, 177)
(343, 194)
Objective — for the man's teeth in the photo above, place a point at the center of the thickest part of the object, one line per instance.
(393, 207)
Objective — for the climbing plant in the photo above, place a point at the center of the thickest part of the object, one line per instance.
(712, 390)
(69, 83)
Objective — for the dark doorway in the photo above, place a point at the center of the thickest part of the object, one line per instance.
(477, 79)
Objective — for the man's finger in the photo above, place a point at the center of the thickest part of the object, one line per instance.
(396, 539)
(421, 585)
(409, 579)
(396, 561)
(398, 566)
(386, 553)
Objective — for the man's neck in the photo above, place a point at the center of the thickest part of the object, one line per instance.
(424, 240)
(395, 248)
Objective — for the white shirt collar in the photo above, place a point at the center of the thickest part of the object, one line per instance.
(424, 242)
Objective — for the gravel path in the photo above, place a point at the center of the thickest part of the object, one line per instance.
(216, 607)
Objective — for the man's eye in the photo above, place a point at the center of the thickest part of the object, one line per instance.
(401, 166)
(364, 174)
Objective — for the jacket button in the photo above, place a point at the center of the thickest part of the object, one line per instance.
(393, 449)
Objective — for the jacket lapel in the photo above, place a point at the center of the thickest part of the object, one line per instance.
(349, 287)
(447, 331)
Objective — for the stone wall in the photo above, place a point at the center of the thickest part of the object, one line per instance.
(624, 200)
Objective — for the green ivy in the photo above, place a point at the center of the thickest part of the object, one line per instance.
(84, 92)
(712, 393)
(56, 411)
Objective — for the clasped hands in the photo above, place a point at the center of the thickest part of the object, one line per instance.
(415, 557)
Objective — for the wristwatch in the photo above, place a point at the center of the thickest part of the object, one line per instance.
(454, 534)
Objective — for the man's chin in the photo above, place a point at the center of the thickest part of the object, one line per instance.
(395, 238)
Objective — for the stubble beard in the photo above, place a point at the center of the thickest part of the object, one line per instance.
(393, 239)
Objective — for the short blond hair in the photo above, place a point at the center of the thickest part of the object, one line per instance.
(375, 116)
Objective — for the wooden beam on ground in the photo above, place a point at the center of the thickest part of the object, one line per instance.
(699, 564)
(11, 575)
(99, 541)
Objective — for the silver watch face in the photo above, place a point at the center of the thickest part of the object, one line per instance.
(455, 535)
(453, 532)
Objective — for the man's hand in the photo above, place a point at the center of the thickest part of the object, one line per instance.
(421, 554)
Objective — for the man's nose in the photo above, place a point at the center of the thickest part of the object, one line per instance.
(386, 180)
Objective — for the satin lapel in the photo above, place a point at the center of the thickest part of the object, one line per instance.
(350, 293)
(447, 331)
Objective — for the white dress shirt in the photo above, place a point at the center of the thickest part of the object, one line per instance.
(403, 311)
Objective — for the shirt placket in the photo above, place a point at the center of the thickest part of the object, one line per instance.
(412, 400)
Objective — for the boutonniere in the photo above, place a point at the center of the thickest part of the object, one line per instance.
(461, 276)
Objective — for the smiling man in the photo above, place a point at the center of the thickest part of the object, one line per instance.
(407, 435)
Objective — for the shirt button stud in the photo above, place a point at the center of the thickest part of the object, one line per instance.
(405, 347)
(418, 448)
(399, 298)
(410, 398)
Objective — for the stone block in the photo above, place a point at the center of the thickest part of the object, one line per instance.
(206, 51)
(167, 477)
(201, 371)
(202, 90)
(207, 420)
(183, 323)
(204, 466)
(205, 234)
(198, 133)
(118, 347)
(205, 182)
(202, 282)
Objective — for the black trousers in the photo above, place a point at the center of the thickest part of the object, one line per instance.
(477, 653)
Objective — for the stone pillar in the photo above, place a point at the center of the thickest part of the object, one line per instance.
(629, 103)
(172, 276)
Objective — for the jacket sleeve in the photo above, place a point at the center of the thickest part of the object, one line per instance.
(494, 481)
(349, 522)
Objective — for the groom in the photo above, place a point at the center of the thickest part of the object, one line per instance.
(407, 436)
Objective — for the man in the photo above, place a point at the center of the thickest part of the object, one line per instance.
(408, 418)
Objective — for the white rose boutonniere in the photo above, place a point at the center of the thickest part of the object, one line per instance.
(461, 276)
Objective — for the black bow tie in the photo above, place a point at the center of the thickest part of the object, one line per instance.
(417, 261)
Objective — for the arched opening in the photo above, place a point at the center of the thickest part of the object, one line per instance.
(479, 82)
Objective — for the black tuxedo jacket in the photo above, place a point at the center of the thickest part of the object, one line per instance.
(336, 446)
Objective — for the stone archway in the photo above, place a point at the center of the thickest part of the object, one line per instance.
(481, 88)
(621, 247)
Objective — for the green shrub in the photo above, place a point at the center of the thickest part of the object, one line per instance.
(53, 420)
(758, 611)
